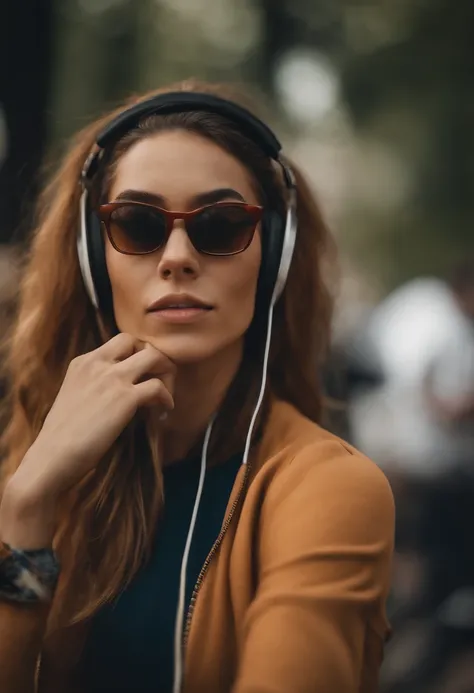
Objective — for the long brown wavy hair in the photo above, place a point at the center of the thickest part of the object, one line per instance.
(106, 523)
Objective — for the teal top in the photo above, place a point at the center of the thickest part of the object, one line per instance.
(131, 642)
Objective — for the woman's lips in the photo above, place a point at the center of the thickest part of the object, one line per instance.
(181, 315)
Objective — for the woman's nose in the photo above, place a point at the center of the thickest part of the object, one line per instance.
(179, 257)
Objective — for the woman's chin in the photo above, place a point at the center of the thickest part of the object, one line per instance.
(183, 350)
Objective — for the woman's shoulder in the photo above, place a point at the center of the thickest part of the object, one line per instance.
(297, 454)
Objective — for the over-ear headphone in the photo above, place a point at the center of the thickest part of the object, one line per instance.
(278, 232)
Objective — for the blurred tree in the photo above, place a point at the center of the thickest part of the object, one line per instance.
(407, 78)
(98, 60)
(290, 24)
(406, 68)
(25, 60)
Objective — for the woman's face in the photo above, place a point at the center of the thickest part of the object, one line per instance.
(176, 170)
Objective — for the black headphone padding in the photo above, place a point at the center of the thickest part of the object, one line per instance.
(272, 244)
(97, 261)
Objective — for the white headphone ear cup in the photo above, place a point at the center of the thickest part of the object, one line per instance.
(92, 261)
(287, 250)
(83, 252)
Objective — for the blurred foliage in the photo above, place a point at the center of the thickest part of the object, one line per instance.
(407, 79)
(405, 103)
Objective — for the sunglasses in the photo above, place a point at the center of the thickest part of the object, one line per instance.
(138, 228)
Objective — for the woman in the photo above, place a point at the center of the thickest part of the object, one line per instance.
(208, 535)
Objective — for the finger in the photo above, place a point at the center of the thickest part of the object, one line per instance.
(119, 347)
(148, 361)
(154, 392)
(168, 376)
(168, 381)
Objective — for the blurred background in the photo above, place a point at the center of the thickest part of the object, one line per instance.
(375, 100)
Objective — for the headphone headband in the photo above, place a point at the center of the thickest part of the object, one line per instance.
(179, 102)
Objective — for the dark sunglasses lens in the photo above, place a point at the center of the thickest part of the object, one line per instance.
(135, 230)
(222, 230)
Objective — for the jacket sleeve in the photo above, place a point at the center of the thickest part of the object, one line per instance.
(325, 546)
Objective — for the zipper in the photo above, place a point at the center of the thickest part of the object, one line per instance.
(211, 555)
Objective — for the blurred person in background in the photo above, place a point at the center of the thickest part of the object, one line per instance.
(419, 425)
(154, 538)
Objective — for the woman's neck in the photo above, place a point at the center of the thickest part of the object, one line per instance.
(198, 393)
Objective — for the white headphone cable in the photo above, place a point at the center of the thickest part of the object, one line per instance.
(263, 384)
(179, 624)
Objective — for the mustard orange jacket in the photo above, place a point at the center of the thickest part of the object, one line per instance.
(292, 597)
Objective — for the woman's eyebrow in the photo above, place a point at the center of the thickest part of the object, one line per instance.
(204, 198)
(208, 198)
(141, 196)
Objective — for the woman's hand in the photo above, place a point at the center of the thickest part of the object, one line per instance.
(99, 396)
